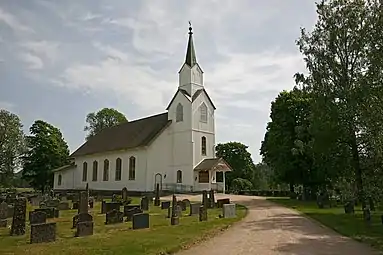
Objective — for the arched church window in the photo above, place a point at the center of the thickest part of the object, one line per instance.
(203, 146)
(203, 112)
(95, 169)
(179, 113)
(179, 176)
(118, 169)
(105, 176)
(84, 171)
(132, 168)
(59, 180)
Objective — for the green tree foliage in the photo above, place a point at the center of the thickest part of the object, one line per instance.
(47, 150)
(343, 56)
(104, 118)
(239, 184)
(239, 159)
(12, 146)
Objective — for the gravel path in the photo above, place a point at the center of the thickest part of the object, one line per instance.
(272, 229)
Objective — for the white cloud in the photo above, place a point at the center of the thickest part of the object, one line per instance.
(13, 22)
(7, 105)
(44, 49)
(32, 61)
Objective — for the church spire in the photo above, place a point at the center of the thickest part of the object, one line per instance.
(191, 58)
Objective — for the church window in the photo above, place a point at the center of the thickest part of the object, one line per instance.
(132, 168)
(203, 177)
(84, 171)
(95, 169)
(179, 176)
(203, 146)
(105, 176)
(118, 169)
(179, 113)
(59, 180)
(203, 112)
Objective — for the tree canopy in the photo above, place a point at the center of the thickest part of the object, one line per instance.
(104, 118)
(12, 146)
(47, 150)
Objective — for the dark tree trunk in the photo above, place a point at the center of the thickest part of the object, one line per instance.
(358, 170)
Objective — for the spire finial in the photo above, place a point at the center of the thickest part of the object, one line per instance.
(190, 28)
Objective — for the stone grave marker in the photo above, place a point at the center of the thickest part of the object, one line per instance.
(165, 205)
(50, 211)
(63, 206)
(205, 201)
(202, 213)
(111, 206)
(131, 212)
(194, 209)
(221, 202)
(36, 200)
(175, 218)
(179, 210)
(211, 199)
(3, 214)
(182, 205)
(114, 217)
(157, 198)
(129, 207)
(140, 220)
(37, 217)
(84, 225)
(169, 212)
(349, 207)
(103, 207)
(11, 210)
(75, 205)
(84, 199)
(124, 194)
(82, 217)
(229, 211)
(43, 233)
(18, 221)
(53, 202)
(91, 202)
(145, 203)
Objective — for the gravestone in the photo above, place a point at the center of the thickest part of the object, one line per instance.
(82, 217)
(140, 220)
(202, 213)
(194, 209)
(131, 212)
(19, 215)
(211, 199)
(182, 205)
(84, 199)
(52, 202)
(11, 211)
(186, 202)
(43, 233)
(84, 229)
(179, 210)
(169, 212)
(3, 214)
(174, 220)
(75, 205)
(165, 205)
(205, 201)
(91, 202)
(103, 207)
(223, 201)
(63, 206)
(114, 217)
(349, 207)
(229, 211)
(157, 198)
(37, 217)
(145, 203)
(50, 211)
(36, 200)
(130, 207)
(111, 206)
(124, 194)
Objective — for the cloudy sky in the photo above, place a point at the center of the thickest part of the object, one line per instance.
(60, 60)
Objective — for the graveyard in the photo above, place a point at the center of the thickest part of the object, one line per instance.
(352, 224)
(117, 225)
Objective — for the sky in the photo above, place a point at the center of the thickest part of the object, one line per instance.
(60, 60)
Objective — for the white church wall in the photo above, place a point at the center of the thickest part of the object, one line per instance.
(191, 79)
(138, 184)
(67, 179)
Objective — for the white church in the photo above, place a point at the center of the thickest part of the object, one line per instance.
(175, 149)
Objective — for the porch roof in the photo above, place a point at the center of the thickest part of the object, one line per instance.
(218, 164)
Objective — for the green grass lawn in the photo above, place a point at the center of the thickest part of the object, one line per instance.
(349, 225)
(161, 238)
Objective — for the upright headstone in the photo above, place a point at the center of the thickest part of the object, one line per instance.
(205, 201)
(129, 213)
(182, 205)
(221, 202)
(211, 199)
(140, 220)
(145, 203)
(202, 213)
(114, 217)
(165, 204)
(124, 194)
(85, 227)
(37, 217)
(91, 202)
(83, 208)
(43, 233)
(228, 211)
(3, 214)
(194, 208)
(175, 220)
(157, 198)
(19, 215)
(63, 206)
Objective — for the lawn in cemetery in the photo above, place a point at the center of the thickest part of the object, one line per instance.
(160, 238)
(351, 225)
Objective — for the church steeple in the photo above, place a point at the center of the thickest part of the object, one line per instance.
(191, 58)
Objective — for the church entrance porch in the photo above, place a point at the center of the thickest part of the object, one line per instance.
(210, 174)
